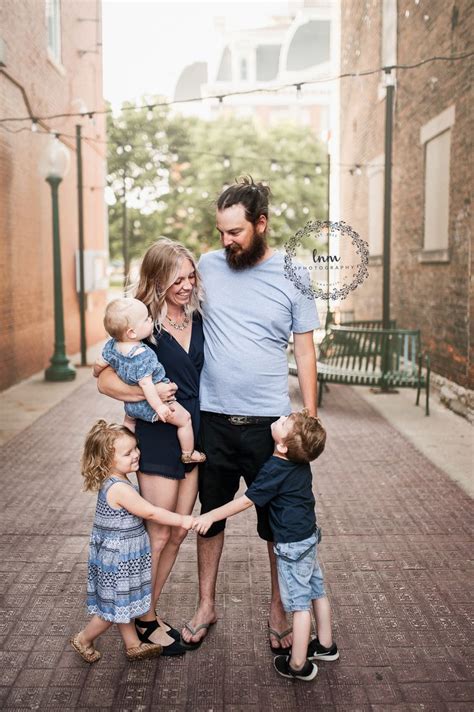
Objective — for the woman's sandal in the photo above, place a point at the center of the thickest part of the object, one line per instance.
(144, 651)
(87, 652)
(174, 648)
(169, 630)
(187, 457)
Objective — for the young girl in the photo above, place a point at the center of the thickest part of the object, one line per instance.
(127, 321)
(119, 577)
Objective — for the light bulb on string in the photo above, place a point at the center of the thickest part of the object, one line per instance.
(226, 162)
(298, 91)
(307, 180)
(149, 113)
(318, 169)
(305, 210)
(34, 125)
(274, 165)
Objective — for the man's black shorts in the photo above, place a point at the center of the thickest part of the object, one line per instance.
(232, 451)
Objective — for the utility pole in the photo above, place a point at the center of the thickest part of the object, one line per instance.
(125, 253)
(387, 223)
(80, 214)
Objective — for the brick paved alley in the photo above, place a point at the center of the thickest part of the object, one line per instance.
(396, 544)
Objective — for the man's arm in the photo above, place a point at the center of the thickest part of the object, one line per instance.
(305, 357)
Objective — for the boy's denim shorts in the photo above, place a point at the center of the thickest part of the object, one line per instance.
(299, 575)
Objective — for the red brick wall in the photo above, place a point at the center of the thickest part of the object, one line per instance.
(433, 297)
(26, 288)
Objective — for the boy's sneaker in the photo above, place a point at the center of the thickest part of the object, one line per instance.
(308, 672)
(316, 651)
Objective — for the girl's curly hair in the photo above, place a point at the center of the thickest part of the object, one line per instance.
(99, 452)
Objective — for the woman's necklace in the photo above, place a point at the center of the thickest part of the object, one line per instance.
(177, 325)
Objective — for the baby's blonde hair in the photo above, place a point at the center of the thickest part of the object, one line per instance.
(99, 450)
(120, 315)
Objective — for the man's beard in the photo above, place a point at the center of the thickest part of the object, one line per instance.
(239, 258)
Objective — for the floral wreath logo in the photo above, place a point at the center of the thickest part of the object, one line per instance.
(318, 227)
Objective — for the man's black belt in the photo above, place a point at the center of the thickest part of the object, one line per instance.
(242, 419)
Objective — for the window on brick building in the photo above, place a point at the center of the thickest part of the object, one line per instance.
(53, 19)
(435, 136)
(375, 176)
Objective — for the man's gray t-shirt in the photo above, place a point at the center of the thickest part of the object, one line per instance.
(248, 317)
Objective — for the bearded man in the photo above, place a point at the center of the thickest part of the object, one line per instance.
(250, 310)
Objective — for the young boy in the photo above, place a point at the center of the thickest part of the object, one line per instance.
(284, 483)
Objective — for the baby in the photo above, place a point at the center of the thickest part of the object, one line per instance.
(127, 321)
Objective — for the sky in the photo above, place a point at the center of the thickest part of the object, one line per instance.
(146, 43)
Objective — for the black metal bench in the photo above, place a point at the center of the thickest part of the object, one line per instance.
(385, 358)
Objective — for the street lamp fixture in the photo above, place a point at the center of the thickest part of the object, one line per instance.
(54, 164)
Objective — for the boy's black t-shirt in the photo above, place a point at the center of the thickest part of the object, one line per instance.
(287, 488)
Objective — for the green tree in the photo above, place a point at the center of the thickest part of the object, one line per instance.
(168, 171)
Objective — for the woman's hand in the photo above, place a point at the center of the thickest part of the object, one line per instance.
(166, 391)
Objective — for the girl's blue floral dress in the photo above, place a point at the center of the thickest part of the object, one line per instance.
(119, 575)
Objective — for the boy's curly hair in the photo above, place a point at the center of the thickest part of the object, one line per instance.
(307, 440)
(99, 452)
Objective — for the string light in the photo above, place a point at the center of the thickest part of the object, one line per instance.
(226, 162)
(318, 169)
(247, 92)
(149, 113)
(34, 125)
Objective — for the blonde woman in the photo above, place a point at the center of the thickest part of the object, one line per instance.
(169, 286)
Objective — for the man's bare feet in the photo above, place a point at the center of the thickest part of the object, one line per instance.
(205, 615)
(278, 622)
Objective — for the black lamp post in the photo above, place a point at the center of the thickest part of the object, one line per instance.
(53, 167)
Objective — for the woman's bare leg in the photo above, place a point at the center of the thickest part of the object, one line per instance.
(162, 492)
(187, 494)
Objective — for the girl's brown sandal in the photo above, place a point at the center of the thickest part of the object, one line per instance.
(87, 652)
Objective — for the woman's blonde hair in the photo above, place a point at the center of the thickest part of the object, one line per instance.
(159, 270)
(99, 450)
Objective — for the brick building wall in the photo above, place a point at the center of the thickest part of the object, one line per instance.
(26, 262)
(432, 295)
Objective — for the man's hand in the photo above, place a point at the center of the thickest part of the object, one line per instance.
(166, 391)
(203, 523)
(163, 412)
